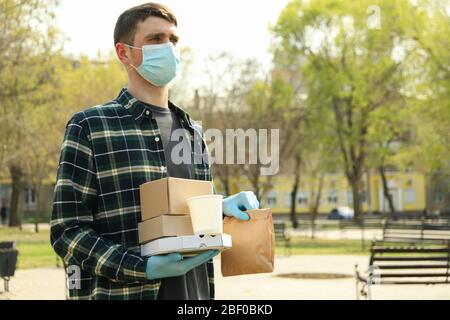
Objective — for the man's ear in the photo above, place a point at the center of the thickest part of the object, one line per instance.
(123, 54)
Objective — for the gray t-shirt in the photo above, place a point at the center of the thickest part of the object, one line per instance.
(194, 285)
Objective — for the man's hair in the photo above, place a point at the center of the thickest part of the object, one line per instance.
(127, 22)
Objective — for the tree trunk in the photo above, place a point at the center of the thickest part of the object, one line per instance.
(357, 203)
(369, 192)
(294, 192)
(386, 193)
(257, 191)
(226, 184)
(316, 205)
(357, 206)
(38, 208)
(17, 178)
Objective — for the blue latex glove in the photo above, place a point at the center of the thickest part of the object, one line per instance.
(234, 205)
(173, 264)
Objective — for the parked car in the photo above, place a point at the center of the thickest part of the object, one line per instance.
(341, 213)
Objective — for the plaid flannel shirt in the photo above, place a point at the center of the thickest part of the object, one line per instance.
(107, 153)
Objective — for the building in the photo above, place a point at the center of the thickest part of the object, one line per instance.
(412, 192)
(31, 206)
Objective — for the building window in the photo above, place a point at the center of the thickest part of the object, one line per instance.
(439, 196)
(349, 198)
(272, 199)
(303, 198)
(30, 197)
(410, 195)
(333, 197)
(287, 199)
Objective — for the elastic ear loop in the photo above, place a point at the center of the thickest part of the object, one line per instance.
(133, 47)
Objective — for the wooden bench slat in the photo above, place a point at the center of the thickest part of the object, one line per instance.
(410, 258)
(409, 250)
(415, 282)
(414, 240)
(412, 266)
(413, 275)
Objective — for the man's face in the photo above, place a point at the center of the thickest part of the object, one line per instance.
(153, 30)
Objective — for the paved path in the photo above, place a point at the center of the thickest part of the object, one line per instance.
(36, 284)
(268, 286)
(49, 283)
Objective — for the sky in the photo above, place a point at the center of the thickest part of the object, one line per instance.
(206, 26)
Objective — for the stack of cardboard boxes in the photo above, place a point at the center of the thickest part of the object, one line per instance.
(166, 222)
(164, 210)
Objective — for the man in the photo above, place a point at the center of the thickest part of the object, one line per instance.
(108, 152)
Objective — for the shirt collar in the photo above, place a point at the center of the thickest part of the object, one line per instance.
(138, 109)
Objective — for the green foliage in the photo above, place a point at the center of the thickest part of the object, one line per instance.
(369, 87)
(307, 246)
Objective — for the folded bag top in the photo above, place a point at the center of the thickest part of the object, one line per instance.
(253, 248)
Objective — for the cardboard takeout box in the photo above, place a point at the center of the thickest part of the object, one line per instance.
(187, 245)
(164, 226)
(168, 196)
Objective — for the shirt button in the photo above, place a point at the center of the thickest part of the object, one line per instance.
(156, 139)
(147, 112)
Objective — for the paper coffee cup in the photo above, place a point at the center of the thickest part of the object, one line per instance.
(206, 214)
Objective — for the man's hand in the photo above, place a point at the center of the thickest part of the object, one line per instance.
(173, 265)
(235, 205)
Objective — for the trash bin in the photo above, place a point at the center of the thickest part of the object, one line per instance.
(3, 215)
(7, 245)
(8, 262)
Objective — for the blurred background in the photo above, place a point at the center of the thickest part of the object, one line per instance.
(360, 91)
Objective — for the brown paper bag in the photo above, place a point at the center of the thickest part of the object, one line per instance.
(253, 249)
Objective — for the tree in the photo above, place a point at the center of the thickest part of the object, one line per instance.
(29, 45)
(273, 104)
(43, 146)
(349, 69)
(221, 104)
(432, 93)
(391, 132)
(181, 91)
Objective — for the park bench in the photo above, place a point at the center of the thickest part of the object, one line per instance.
(281, 235)
(8, 261)
(411, 252)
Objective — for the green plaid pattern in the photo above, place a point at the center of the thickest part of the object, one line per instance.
(107, 153)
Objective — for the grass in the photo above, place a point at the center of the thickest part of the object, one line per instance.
(307, 246)
(35, 250)
(320, 225)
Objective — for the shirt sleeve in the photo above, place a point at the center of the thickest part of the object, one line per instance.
(75, 199)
